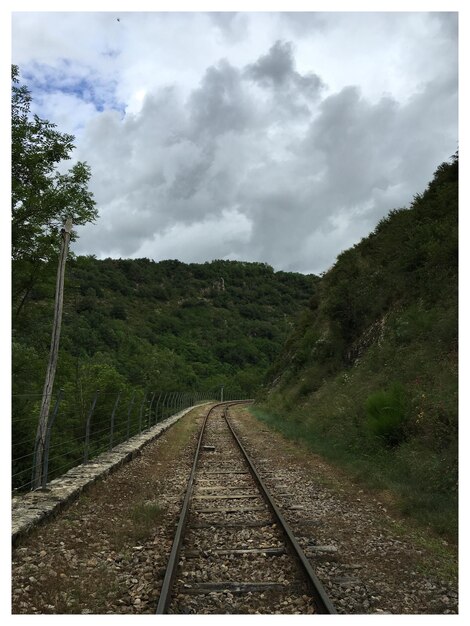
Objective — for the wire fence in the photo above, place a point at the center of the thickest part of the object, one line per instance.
(83, 425)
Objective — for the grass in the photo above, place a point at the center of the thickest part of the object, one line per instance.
(347, 476)
(92, 592)
(347, 421)
(145, 512)
(445, 564)
(145, 517)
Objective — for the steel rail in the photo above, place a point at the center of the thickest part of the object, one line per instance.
(322, 601)
(165, 593)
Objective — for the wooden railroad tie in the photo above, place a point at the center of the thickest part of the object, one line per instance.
(226, 524)
(232, 509)
(237, 552)
(234, 587)
(234, 496)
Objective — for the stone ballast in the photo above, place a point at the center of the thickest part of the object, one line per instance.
(31, 509)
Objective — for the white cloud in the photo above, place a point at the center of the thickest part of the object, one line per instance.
(273, 137)
(192, 244)
(70, 112)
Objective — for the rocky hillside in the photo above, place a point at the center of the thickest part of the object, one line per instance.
(369, 374)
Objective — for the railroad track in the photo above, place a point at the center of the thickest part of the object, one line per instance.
(233, 551)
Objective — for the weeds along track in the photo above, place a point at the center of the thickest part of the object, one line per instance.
(233, 552)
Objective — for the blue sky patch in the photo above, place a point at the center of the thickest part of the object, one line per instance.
(72, 79)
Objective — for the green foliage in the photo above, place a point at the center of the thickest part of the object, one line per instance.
(368, 376)
(120, 337)
(386, 414)
(42, 196)
(25, 364)
(219, 323)
(146, 514)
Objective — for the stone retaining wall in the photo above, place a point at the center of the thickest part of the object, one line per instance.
(31, 509)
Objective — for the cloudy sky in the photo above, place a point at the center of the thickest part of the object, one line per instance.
(274, 137)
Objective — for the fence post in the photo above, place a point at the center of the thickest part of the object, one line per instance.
(48, 439)
(129, 415)
(172, 402)
(166, 404)
(53, 352)
(141, 411)
(150, 409)
(87, 427)
(111, 434)
(163, 403)
(158, 404)
(34, 484)
(46, 449)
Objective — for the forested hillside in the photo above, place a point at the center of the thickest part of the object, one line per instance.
(165, 326)
(369, 375)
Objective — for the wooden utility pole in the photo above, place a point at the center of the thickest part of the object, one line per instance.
(54, 351)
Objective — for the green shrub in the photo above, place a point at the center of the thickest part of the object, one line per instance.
(146, 513)
(386, 415)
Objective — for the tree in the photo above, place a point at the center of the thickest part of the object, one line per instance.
(42, 197)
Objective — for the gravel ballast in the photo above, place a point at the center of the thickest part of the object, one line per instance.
(106, 553)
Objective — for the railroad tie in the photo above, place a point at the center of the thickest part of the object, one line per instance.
(235, 587)
(273, 551)
(225, 485)
(234, 496)
(232, 509)
(228, 524)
